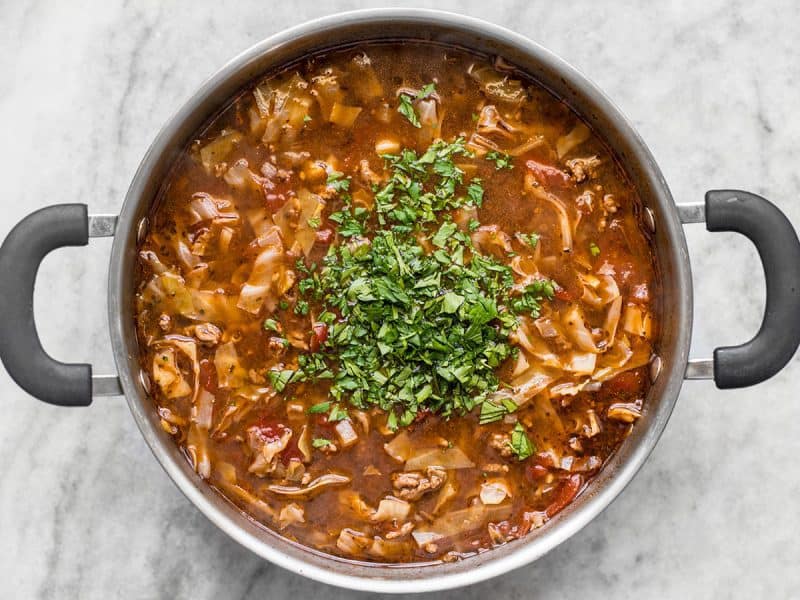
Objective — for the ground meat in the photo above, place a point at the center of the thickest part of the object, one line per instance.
(583, 168)
(277, 345)
(368, 176)
(207, 333)
(164, 322)
(610, 207)
(502, 443)
(414, 484)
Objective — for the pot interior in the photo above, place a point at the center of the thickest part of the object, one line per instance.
(563, 81)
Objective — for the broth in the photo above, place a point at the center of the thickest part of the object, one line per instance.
(398, 303)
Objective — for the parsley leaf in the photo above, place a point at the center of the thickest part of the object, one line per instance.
(321, 442)
(279, 379)
(319, 408)
(500, 159)
(530, 239)
(426, 91)
(406, 108)
(520, 444)
(338, 182)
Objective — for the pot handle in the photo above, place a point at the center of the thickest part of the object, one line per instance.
(21, 351)
(776, 241)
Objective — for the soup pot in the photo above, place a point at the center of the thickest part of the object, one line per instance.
(723, 210)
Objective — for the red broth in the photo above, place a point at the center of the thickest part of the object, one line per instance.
(398, 303)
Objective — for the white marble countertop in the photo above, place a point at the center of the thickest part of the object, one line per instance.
(713, 87)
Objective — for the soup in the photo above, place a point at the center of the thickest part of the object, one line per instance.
(398, 303)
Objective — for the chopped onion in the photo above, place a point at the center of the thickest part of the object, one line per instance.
(291, 514)
(345, 432)
(494, 491)
(391, 508)
(343, 115)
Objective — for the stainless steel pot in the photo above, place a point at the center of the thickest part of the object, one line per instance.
(70, 384)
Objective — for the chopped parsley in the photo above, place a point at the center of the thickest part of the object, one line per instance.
(272, 325)
(530, 239)
(314, 222)
(520, 443)
(337, 413)
(500, 159)
(594, 249)
(320, 407)
(338, 182)
(406, 105)
(279, 378)
(426, 91)
(321, 442)
(417, 317)
(301, 307)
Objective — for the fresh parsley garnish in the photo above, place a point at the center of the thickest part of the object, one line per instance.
(271, 325)
(406, 105)
(319, 408)
(321, 442)
(529, 239)
(494, 411)
(520, 444)
(280, 378)
(406, 108)
(594, 249)
(417, 317)
(338, 182)
(500, 159)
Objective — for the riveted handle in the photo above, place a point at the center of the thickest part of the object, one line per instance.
(776, 241)
(20, 348)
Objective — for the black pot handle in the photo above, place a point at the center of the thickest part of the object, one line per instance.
(776, 241)
(20, 348)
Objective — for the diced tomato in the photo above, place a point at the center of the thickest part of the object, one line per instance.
(325, 236)
(270, 429)
(208, 375)
(563, 293)
(565, 494)
(629, 382)
(535, 472)
(544, 459)
(318, 337)
(274, 201)
(549, 176)
(422, 414)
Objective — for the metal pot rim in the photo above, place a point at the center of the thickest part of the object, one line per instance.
(614, 477)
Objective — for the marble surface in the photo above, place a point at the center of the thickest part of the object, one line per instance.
(86, 512)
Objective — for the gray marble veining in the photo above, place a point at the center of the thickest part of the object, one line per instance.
(713, 87)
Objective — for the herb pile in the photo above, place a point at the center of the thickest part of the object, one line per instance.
(418, 319)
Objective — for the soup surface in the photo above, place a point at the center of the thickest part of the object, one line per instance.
(398, 303)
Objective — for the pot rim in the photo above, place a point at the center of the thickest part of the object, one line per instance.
(380, 578)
